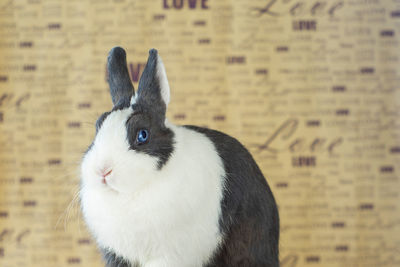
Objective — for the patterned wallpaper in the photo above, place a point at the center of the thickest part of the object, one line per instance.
(310, 87)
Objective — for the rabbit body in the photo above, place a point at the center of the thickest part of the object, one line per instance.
(173, 217)
(155, 194)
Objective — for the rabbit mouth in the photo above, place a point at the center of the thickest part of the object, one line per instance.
(104, 175)
(109, 186)
(107, 183)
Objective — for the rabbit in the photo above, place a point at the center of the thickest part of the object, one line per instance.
(154, 194)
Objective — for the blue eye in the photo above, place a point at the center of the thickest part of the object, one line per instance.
(142, 136)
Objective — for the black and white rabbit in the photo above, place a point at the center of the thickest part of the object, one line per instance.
(155, 194)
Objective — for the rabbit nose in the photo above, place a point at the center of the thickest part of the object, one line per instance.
(104, 173)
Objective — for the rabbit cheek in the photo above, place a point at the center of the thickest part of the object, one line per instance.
(138, 170)
(88, 173)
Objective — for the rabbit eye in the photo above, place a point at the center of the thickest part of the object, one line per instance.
(142, 136)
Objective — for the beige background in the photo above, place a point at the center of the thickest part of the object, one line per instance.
(310, 87)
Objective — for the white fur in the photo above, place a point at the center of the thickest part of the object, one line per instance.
(166, 217)
(133, 100)
(162, 77)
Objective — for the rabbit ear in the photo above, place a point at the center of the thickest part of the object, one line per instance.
(153, 85)
(121, 88)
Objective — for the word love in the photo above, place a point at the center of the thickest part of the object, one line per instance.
(278, 8)
(179, 4)
(7, 99)
(285, 139)
(11, 235)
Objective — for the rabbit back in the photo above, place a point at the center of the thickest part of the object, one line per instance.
(249, 219)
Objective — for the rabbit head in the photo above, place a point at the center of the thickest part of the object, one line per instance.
(132, 141)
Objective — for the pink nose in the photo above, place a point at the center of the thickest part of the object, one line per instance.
(104, 173)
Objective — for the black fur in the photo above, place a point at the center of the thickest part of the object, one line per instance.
(149, 90)
(112, 260)
(149, 109)
(160, 142)
(249, 220)
(101, 119)
(121, 88)
(149, 114)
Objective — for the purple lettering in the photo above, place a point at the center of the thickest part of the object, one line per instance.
(192, 4)
(297, 9)
(318, 8)
(334, 144)
(294, 8)
(135, 70)
(333, 9)
(281, 140)
(178, 4)
(165, 4)
(317, 145)
(296, 145)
